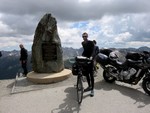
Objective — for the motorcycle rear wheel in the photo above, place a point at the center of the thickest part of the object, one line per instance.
(146, 85)
(108, 78)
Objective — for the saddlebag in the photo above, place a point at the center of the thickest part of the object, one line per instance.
(75, 69)
(102, 59)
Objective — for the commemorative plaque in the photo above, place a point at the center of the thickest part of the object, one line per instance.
(49, 51)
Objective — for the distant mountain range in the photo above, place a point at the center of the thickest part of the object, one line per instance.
(10, 64)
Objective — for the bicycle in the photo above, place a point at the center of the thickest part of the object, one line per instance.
(80, 63)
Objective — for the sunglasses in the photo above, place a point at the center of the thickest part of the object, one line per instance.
(84, 36)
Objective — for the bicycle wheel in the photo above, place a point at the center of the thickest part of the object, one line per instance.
(79, 90)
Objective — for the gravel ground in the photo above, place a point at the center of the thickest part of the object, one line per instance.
(61, 97)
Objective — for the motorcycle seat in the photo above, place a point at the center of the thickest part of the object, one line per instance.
(133, 56)
(134, 61)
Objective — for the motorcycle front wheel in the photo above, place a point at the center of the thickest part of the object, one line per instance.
(146, 85)
(108, 78)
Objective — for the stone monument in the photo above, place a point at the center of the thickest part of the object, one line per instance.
(47, 54)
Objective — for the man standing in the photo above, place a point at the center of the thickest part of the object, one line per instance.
(88, 47)
(96, 49)
(23, 59)
(95, 52)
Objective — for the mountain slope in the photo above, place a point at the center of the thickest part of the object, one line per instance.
(10, 64)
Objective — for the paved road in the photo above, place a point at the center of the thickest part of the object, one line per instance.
(61, 98)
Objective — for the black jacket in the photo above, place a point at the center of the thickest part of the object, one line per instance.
(95, 51)
(88, 48)
(23, 54)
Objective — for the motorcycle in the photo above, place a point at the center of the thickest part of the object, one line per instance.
(128, 68)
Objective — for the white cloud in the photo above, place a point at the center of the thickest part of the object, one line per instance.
(123, 37)
(138, 44)
(112, 23)
(70, 37)
(9, 42)
(84, 1)
(5, 28)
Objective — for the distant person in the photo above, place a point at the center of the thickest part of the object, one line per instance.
(96, 49)
(95, 52)
(23, 59)
(88, 47)
(0, 54)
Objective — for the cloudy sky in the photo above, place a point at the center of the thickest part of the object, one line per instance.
(112, 23)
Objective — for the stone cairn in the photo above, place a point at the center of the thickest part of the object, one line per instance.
(47, 54)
